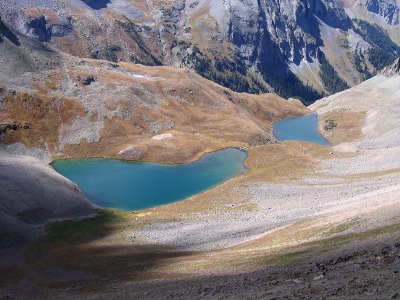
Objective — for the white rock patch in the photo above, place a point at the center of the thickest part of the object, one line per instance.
(149, 78)
(162, 136)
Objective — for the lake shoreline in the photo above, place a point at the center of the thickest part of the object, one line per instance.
(134, 186)
(282, 131)
(195, 157)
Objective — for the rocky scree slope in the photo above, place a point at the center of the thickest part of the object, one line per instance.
(376, 103)
(315, 47)
(33, 193)
(392, 70)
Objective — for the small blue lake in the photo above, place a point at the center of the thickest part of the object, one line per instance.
(132, 186)
(300, 129)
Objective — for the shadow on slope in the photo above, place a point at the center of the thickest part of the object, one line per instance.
(82, 246)
(8, 34)
(97, 4)
(290, 269)
(21, 54)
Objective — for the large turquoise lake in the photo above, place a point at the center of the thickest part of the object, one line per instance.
(300, 129)
(132, 186)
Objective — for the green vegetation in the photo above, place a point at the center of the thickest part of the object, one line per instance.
(359, 62)
(108, 53)
(292, 87)
(223, 64)
(76, 232)
(229, 73)
(384, 51)
(289, 254)
(88, 80)
(332, 82)
(287, 248)
(375, 35)
(198, 61)
(343, 42)
(132, 30)
(169, 13)
(341, 228)
(10, 274)
(380, 58)
(60, 247)
(330, 124)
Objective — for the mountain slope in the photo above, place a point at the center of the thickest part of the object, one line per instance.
(376, 98)
(32, 193)
(252, 46)
(83, 107)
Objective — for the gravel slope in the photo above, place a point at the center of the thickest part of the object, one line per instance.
(33, 193)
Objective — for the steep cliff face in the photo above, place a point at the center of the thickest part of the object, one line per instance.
(1, 29)
(387, 9)
(247, 45)
(291, 26)
(305, 38)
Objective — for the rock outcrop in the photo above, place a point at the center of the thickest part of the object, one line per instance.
(293, 27)
(387, 9)
(37, 28)
(12, 126)
(1, 27)
(393, 69)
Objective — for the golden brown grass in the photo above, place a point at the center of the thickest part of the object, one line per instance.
(205, 116)
(348, 126)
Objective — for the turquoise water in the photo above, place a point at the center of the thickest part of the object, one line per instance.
(300, 129)
(132, 186)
